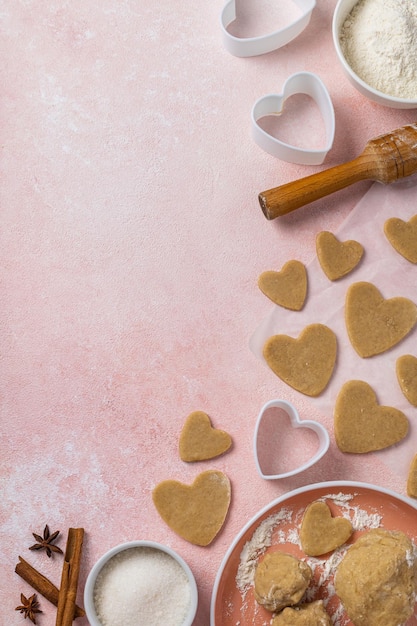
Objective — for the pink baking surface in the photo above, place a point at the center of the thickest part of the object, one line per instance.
(131, 244)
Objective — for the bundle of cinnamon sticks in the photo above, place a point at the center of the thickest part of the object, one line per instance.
(63, 598)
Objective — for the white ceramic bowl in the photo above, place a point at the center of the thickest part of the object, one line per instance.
(343, 8)
(89, 605)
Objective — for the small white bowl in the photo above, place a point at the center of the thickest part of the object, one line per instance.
(342, 10)
(89, 604)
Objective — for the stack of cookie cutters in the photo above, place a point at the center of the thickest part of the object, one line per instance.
(295, 421)
(300, 83)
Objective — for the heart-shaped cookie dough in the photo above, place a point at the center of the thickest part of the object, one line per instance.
(337, 258)
(287, 288)
(403, 236)
(273, 446)
(374, 324)
(406, 368)
(321, 533)
(306, 363)
(195, 512)
(362, 425)
(199, 441)
(412, 478)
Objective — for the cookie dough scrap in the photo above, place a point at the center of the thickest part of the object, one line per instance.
(321, 533)
(309, 614)
(281, 580)
(305, 363)
(362, 425)
(195, 512)
(374, 324)
(402, 235)
(412, 478)
(337, 258)
(199, 441)
(406, 369)
(288, 287)
(377, 579)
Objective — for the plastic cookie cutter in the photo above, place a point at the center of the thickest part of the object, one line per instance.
(273, 104)
(254, 46)
(271, 422)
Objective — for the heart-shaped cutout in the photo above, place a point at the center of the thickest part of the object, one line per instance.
(402, 236)
(284, 445)
(374, 324)
(195, 512)
(254, 46)
(273, 104)
(362, 425)
(337, 258)
(288, 287)
(406, 369)
(305, 363)
(199, 441)
(320, 532)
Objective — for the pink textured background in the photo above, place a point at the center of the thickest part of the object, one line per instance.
(131, 244)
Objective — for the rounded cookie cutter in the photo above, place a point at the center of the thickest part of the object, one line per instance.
(254, 46)
(296, 422)
(300, 83)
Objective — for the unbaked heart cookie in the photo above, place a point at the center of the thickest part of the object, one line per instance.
(321, 533)
(375, 325)
(306, 363)
(287, 288)
(403, 236)
(199, 441)
(196, 512)
(361, 424)
(337, 258)
(406, 368)
(412, 478)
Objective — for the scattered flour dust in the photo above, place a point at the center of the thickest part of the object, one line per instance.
(379, 42)
(269, 532)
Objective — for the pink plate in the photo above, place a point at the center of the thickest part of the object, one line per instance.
(367, 506)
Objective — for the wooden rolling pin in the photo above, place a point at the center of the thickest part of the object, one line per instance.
(385, 159)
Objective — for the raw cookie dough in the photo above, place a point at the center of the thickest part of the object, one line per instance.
(412, 479)
(199, 441)
(375, 325)
(337, 258)
(305, 363)
(311, 614)
(195, 512)
(287, 288)
(377, 579)
(320, 532)
(361, 424)
(403, 236)
(281, 580)
(406, 368)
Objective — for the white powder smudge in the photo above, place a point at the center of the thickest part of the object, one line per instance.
(252, 550)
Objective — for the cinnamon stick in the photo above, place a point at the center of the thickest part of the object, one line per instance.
(41, 584)
(69, 578)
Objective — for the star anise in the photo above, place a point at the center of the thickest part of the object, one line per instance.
(29, 607)
(46, 542)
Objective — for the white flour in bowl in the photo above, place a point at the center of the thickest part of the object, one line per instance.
(379, 42)
(142, 586)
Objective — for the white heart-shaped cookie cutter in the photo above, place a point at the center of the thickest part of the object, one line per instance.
(273, 104)
(296, 422)
(254, 46)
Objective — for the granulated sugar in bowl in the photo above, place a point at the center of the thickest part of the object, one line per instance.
(140, 583)
(376, 43)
